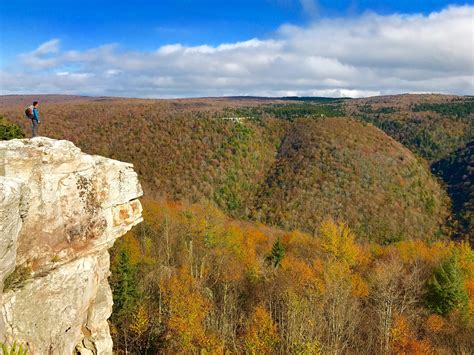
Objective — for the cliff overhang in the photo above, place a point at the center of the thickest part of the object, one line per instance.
(60, 211)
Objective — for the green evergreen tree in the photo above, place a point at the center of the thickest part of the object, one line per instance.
(277, 254)
(9, 130)
(446, 289)
(123, 282)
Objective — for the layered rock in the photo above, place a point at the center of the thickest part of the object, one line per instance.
(61, 210)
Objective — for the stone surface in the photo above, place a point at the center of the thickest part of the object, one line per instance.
(61, 210)
(10, 225)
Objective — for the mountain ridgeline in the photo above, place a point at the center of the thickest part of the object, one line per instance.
(285, 163)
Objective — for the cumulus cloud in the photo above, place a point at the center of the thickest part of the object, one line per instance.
(357, 56)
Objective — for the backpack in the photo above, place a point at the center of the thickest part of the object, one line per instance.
(29, 112)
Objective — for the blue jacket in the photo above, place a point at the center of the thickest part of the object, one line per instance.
(36, 114)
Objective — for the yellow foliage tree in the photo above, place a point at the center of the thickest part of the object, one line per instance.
(338, 242)
(360, 287)
(261, 335)
(141, 322)
(130, 243)
(466, 260)
(187, 309)
(412, 250)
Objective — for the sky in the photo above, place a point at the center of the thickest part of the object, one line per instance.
(197, 48)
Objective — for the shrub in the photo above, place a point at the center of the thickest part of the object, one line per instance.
(9, 130)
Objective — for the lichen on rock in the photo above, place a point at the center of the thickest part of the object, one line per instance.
(61, 210)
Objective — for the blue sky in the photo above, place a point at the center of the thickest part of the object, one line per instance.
(148, 24)
(140, 28)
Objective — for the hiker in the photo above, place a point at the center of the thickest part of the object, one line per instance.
(33, 114)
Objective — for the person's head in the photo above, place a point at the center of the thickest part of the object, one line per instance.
(35, 103)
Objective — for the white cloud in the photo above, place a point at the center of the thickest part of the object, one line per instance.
(51, 46)
(354, 56)
(112, 72)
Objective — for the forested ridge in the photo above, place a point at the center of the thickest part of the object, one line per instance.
(438, 128)
(286, 225)
(290, 165)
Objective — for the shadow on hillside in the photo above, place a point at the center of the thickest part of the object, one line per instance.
(457, 172)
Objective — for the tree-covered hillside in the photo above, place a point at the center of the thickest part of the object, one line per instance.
(191, 280)
(262, 161)
(339, 168)
(437, 128)
(457, 170)
(181, 150)
(433, 126)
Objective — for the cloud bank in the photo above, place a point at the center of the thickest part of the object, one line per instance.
(359, 56)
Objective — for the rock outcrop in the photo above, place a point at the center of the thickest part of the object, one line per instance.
(60, 211)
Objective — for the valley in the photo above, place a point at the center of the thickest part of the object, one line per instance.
(286, 225)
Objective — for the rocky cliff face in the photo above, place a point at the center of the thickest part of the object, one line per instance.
(60, 211)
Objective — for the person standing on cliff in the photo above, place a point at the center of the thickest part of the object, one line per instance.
(32, 113)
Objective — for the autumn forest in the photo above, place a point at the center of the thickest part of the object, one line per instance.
(286, 226)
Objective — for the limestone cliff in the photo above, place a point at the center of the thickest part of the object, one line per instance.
(60, 211)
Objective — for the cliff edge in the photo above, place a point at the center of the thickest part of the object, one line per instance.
(60, 211)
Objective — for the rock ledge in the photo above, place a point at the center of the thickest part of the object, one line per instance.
(60, 211)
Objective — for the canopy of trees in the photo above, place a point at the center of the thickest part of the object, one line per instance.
(198, 281)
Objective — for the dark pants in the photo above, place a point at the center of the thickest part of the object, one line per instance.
(34, 127)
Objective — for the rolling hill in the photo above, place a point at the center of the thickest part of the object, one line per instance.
(286, 163)
(339, 168)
